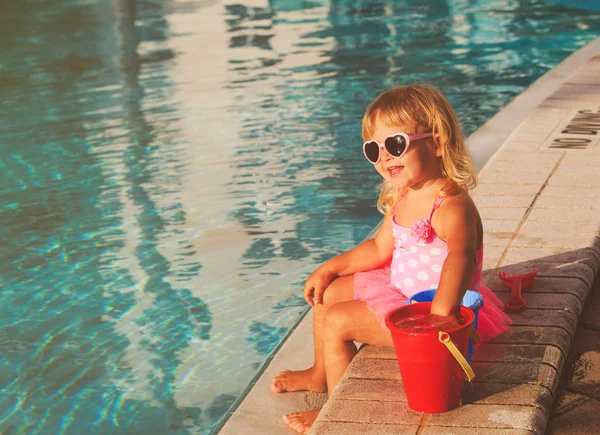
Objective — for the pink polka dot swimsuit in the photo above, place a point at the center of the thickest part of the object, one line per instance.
(419, 255)
(417, 261)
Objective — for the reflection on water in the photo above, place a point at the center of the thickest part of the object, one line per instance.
(171, 171)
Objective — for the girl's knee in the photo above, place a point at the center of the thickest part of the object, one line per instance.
(329, 296)
(339, 290)
(337, 323)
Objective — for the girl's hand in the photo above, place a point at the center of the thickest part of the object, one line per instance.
(443, 323)
(316, 284)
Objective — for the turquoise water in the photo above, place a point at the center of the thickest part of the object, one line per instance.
(171, 171)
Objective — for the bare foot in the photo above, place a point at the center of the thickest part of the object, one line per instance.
(301, 422)
(299, 380)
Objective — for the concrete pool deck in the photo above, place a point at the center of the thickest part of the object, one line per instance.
(539, 197)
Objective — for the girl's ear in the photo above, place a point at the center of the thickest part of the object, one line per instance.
(437, 147)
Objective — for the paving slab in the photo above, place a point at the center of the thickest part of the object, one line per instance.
(374, 368)
(550, 199)
(369, 411)
(500, 212)
(542, 284)
(501, 226)
(590, 319)
(560, 192)
(556, 318)
(532, 351)
(565, 400)
(512, 353)
(508, 393)
(575, 180)
(437, 430)
(556, 240)
(518, 144)
(512, 417)
(503, 201)
(583, 419)
(548, 269)
(557, 255)
(522, 373)
(558, 226)
(345, 428)
(583, 364)
(504, 189)
(372, 389)
(546, 159)
(575, 408)
(583, 159)
(499, 239)
(567, 214)
(520, 171)
(553, 336)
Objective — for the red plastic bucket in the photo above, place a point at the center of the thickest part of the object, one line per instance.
(431, 374)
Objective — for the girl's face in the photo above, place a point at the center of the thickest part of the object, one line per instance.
(416, 169)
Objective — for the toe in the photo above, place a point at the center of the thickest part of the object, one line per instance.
(276, 387)
(298, 421)
(281, 374)
(295, 422)
(278, 382)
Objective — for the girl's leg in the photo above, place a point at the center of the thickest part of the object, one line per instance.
(313, 378)
(345, 323)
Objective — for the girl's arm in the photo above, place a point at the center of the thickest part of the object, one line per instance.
(458, 223)
(370, 254)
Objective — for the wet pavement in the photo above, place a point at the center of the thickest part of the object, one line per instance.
(576, 407)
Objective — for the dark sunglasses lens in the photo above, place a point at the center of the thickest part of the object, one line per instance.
(372, 151)
(395, 145)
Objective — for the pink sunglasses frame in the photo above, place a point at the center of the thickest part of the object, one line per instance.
(407, 137)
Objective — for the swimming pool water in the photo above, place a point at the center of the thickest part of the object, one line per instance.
(171, 171)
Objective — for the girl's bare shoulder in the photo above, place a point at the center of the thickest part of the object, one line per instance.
(456, 211)
(459, 201)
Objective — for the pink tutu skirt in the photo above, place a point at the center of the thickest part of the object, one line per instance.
(381, 297)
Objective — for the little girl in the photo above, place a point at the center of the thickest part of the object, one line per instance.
(431, 237)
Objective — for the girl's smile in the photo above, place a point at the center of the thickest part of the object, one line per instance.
(417, 168)
(394, 170)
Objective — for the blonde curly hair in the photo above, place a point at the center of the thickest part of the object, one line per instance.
(427, 110)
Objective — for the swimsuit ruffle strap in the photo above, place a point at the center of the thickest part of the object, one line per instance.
(436, 204)
(398, 202)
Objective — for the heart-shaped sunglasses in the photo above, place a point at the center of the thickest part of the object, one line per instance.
(396, 146)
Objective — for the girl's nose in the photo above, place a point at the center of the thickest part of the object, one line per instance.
(385, 156)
